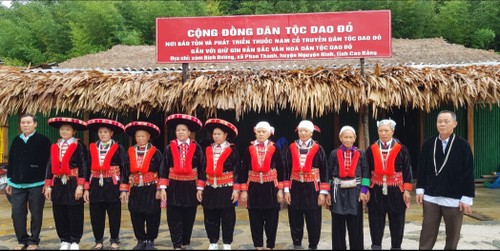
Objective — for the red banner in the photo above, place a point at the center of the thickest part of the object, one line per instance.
(357, 34)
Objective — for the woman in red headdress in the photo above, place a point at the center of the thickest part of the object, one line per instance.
(66, 176)
(146, 178)
(221, 190)
(184, 161)
(108, 160)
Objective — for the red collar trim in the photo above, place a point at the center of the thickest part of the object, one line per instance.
(266, 164)
(296, 157)
(62, 167)
(220, 162)
(188, 162)
(144, 168)
(343, 171)
(377, 159)
(94, 154)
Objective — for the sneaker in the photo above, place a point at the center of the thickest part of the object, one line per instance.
(140, 245)
(226, 247)
(150, 245)
(213, 246)
(64, 245)
(74, 246)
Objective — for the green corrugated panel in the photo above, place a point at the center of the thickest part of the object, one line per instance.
(430, 119)
(42, 126)
(486, 140)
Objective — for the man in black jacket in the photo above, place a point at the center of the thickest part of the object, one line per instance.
(28, 157)
(445, 183)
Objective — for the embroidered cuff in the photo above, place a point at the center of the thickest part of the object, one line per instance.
(162, 182)
(408, 186)
(124, 187)
(324, 186)
(280, 185)
(200, 183)
(244, 187)
(200, 188)
(365, 182)
(48, 183)
(86, 186)
(286, 184)
(364, 189)
(236, 187)
(286, 189)
(323, 192)
(81, 181)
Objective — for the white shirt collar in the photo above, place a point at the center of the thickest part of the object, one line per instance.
(256, 142)
(69, 141)
(443, 139)
(188, 141)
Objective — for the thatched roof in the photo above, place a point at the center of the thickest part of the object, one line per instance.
(308, 92)
(433, 51)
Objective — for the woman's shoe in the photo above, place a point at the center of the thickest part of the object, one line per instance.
(115, 246)
(98, 246)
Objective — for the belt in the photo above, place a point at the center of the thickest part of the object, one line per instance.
(73, 172)
(395, 180)
(113, 172)
(183, 177)
(226, 179)
(259, 177)
(312, 176)
(344, 183)
(146, 179)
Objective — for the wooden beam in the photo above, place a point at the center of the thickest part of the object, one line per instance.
(470, 126)
(5, 144)
(336, 130)
(185, 72)
(86, 133)
(360, 129)
(421, 127)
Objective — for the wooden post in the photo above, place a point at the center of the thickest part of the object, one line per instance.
(5, 143)
(185, 72)
(361, 132)
(336, 130)
(421, 126)
(86, 134)
(364, 113)
(165, 134)
(470, 126)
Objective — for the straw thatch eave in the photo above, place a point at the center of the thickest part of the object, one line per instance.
(307, 92)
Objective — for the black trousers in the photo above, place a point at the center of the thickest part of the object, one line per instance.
(20, 200)
(152, 222)
(377, 225)
(69, 222)
(264, 220)
(354, 225)
(313, 221)
(98, 212)
(180, 222)
(213, 220)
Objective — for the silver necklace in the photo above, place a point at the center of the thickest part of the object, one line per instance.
(445, 159)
